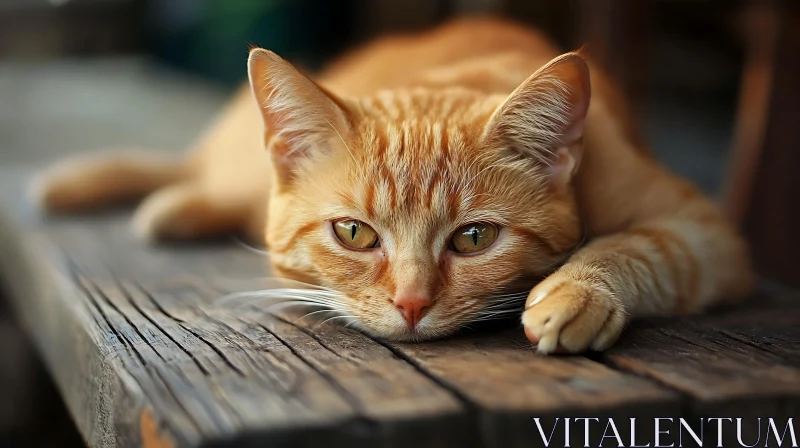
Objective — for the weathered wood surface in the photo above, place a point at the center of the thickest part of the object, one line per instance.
(145, 356)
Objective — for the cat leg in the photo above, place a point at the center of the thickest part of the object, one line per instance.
(671, 266)
(93, 181)
(188, 210)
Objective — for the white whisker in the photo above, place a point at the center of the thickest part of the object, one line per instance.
(248, 247)
(316, 312)
(273, 283)
(485, 319)
(509, 294)
(277, 306)
(499, 313)
(332, 318)
(269, 302)
(281, 294)
(342, 139)
(517, 301)
(507, 300)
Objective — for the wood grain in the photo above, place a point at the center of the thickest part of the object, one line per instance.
(738, 363)
(507, 385)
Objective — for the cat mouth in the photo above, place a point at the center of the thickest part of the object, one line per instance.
(412, 335)
(424, 331)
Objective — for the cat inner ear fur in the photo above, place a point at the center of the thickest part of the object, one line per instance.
(543, 119)
(301, 119)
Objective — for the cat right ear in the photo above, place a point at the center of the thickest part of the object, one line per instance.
(543, 119)
(300, 118)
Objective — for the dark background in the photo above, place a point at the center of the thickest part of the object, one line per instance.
(679, 60)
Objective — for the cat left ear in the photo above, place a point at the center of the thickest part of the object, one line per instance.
(300, 118)
(544, 117)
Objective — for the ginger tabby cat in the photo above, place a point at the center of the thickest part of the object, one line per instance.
(433, 180)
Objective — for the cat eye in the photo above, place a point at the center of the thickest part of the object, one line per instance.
(474, 237)
(355, 234)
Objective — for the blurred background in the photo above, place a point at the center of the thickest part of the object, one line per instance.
(681, 61)
(714, 84)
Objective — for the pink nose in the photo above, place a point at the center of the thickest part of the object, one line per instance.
(412, 308)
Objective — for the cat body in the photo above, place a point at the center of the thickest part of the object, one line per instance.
(438, 179)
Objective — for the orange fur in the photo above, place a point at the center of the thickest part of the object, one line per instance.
(477, 121)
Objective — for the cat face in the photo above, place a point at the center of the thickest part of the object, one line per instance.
(423, 210)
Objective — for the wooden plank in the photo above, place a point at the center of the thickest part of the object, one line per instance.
(508, 385)
(742, 362)
(744, 352)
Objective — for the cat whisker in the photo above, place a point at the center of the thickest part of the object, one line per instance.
(510, 293)
(488, 318)
(333, 318)
(460, 188)
(494, 311)
(342, 139)
(507, 298)
(316, 312)
(517, 308)
(472, 180)
(507, 301)
(273, 283)
(248, 247)
(498, 313)
(267, 303)
(277, 306)
(305, 300)
(511, 307)
(280, 294)
(305, 287)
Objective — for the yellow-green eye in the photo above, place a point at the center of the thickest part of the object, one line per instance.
(355, 234)
(473, 238)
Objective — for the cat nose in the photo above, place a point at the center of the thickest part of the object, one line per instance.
(412, 308)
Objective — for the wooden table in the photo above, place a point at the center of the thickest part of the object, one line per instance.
(145, 355)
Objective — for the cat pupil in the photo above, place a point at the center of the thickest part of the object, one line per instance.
(353, 231)
(475, 236)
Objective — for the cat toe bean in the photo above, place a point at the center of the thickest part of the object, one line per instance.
(572, 317)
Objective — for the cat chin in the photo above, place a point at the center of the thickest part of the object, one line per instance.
(402, 334)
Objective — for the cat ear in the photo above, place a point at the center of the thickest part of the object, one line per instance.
(544, 117)
(300, 118)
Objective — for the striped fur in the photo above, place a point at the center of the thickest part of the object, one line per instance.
(477, 121)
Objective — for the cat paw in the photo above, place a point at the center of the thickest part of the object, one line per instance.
(563, 315)
(176, 212)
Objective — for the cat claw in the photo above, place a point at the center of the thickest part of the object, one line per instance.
(560, 350)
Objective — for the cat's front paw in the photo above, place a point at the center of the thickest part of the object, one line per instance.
(566, 315)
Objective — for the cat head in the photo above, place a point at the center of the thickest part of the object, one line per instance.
(424, 209)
